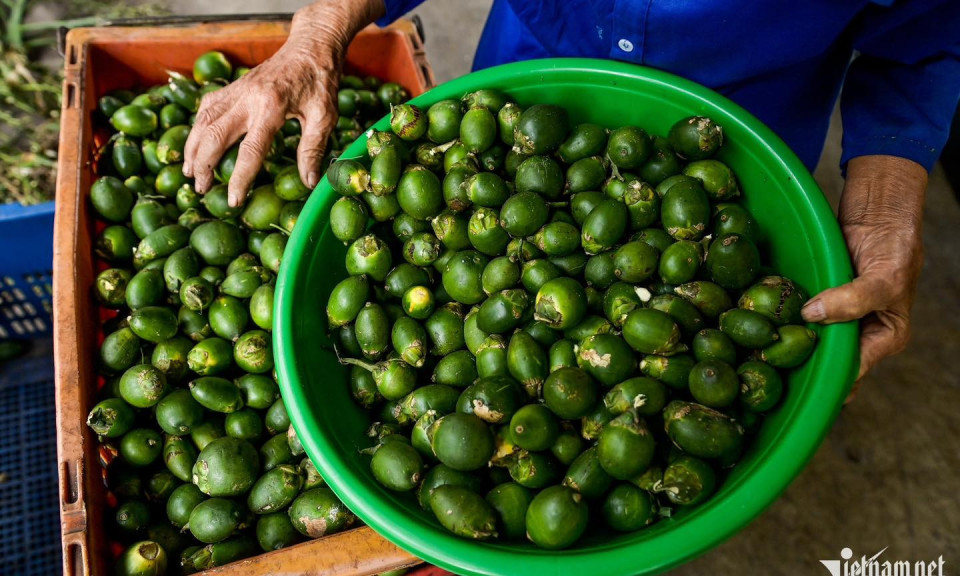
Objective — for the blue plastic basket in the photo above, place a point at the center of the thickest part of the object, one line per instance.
(29, 502)
(26, 278)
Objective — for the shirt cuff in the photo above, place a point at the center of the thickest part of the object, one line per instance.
(922, 153)
(899, 109)
(396, 9)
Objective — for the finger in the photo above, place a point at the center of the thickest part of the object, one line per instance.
(881, 337)
(873, 336)
(215, 140)
(253, 150)
(853, 392)
(317, 125)
(210, 110)
(848, 302)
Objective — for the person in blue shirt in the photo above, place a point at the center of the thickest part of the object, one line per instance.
(894, 65)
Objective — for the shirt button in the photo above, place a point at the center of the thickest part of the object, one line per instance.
(625, 45)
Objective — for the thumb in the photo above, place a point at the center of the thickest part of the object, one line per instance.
(851, 301)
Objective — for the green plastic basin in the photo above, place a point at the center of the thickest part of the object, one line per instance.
(800, 236)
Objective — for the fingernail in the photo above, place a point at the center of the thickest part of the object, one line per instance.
(313, 179)
(233, 199)
(813, 311)
(187, 169)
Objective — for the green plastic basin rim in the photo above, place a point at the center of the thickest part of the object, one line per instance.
(826, 378)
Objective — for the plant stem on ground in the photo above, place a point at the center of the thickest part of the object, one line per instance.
(30, 92)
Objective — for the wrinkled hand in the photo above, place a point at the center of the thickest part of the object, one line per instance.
(299, 81)
(881, 214)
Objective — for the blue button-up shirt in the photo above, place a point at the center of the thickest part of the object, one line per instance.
(898, 63)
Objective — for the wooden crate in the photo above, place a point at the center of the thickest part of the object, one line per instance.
(99, 60)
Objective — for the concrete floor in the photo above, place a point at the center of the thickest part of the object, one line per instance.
(886, 477)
